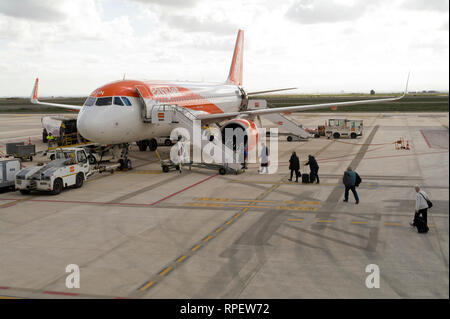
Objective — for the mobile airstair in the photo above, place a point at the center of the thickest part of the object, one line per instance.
(217, 157)
(285, 125)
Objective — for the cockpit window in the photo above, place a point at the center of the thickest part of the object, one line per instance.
(102, 101)
(90, 101)
(118, 101)
(126, 101)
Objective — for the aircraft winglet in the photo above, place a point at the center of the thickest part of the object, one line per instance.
(34, 93)
(407, 81)
(34, 99)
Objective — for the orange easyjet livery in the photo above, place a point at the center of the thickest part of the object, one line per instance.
(129, 111)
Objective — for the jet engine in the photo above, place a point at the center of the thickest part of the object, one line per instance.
(238, 131)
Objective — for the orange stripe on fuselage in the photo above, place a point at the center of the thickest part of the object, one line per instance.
(162, 92)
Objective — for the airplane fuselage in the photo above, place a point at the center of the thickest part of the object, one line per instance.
(112, 114)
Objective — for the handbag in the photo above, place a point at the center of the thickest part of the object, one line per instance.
(429, 203)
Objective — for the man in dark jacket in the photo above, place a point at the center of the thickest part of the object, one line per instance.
(349, 181)
(314, 167)
(294, 166)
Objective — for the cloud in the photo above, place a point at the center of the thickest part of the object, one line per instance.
(171, 3)
(424, 5)
(42, 10)
(193, 24)
(325, 11)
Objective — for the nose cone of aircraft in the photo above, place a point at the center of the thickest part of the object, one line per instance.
(89, 127)
(107, 124)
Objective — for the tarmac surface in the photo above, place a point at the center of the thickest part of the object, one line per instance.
(148, 234)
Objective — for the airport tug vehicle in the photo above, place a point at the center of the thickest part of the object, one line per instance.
(337, 128)
(70, 168)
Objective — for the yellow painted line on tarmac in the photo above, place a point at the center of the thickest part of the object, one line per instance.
(311, 209)
(326, 221)
(360, 223)
(173, 264)
(248, 206)
(214, 199)
(204, 205)
(295, 219)
(301, 202)
(165, 271)
(8, 297)
(392, 224)
(181, 258)
(207, 238)
(147, 171)
(255, 201)
(148, 285)
(16, 201)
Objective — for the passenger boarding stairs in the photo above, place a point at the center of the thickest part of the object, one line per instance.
(284, 124)
(218, 155)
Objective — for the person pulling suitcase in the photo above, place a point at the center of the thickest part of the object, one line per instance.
(420, 216)
(314, 168)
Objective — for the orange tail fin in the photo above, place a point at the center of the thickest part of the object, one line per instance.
(235, 75)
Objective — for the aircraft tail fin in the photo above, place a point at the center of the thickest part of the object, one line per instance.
(235, 75)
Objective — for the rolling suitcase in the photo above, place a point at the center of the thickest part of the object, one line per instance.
(422, 227)
(305, 178)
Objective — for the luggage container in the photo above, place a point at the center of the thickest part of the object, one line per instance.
(8, 170)
(21, 150)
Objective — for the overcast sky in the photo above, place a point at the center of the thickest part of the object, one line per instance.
(317, 45)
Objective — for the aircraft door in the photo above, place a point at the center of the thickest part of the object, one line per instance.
(147, 103)
(162, 114)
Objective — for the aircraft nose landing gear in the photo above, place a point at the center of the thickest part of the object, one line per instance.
(125, 163)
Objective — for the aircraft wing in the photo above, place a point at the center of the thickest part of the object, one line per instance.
(34, 100)
(224, 116)
(269, 91)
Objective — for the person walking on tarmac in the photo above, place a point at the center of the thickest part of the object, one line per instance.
(245, 150)
(294, 166)
(350, 183)
(314, 167)
(264, 159)
(422, 204)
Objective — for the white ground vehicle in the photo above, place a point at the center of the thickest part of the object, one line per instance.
(344, 128)
(8, 170)
(70, 168)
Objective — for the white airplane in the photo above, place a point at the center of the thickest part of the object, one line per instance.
(118, 112)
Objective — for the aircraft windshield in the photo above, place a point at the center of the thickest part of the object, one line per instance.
(102, 101)
(118, 101)
(122, 101)
(90, 101)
